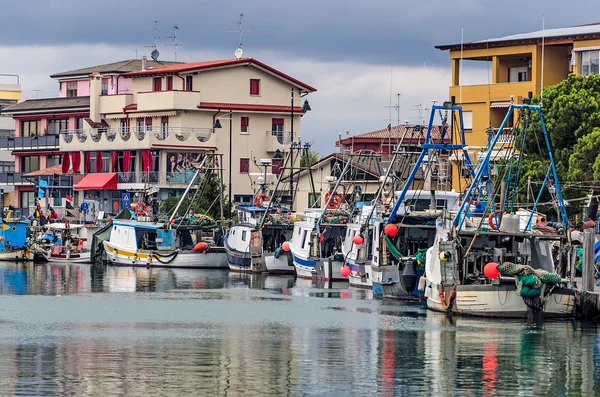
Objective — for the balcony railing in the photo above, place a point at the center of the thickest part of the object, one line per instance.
(15, 178)
(27, 142)
(506, 137)
(278, 140)
(134, 137)
(138, 177)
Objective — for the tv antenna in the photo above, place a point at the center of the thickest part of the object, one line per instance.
(173, 37)
(154, 54)
(239, 52)
(396, 107)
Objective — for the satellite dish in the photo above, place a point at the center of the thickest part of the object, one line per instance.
(154, 54)
(238, 53)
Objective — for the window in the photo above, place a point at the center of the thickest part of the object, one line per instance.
(276, 165)
(4, 103)
(80, 123)
(243, 235)
(148, 124)
(53, 160)
(588, 63)
(71, 89)
(164, 127)
(30, 128)
(170, 83)
(139, 125)
(468, 121)
(277, 127)
(56, 126)
(244, 125)
(30, 163)
(104, 89)
(303, 239)
(517, 74)
(124, 125)
(254, 87)
(244, 166)
(243, 198)
(27, 200)
(157, 84)
(314, 200)
(189, 80)
(106, 162)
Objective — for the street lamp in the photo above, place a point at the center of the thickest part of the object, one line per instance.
(218, 125)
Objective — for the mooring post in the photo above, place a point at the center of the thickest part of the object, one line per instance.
(589, 240)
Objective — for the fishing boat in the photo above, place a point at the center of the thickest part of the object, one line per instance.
(483, 261)
(254, 243)
(13, 241)
(356, 247)
(194, 241)
(69, 246)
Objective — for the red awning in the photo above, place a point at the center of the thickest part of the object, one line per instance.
(102, 181)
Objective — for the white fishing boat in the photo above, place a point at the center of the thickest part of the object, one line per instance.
(484, 262)
(254, 243)
(358, 256)
(70, 246)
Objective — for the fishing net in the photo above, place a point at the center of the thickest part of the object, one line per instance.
(529, 280)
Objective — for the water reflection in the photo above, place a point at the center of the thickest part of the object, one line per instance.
(130, 331)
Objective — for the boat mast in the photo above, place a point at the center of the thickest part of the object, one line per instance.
(187, 189)
(264, 218)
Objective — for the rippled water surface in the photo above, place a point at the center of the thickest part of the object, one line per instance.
(102, 331)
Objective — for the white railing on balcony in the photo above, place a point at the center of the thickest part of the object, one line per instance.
(506, 137)
(132, 134)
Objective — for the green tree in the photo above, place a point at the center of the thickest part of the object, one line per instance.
(584, 161)
(309, 157)
(206, 201)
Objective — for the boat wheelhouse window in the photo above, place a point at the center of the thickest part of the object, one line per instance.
(303, 239)
(299, 231)
(243, 235)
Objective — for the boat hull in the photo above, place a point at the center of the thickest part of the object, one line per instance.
(319, 269)
(388, 283)
(360, 276)
(243, 262)
(215, 257)
(16, 255)
(83, 257)
(501, 301)
(280, 265)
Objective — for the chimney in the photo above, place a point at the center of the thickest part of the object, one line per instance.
(144, 59)
(95, 91)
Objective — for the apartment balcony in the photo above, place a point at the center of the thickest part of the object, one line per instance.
(137, 138)
(28, 143)
(15, 179)
(277, 140)
(115, 103)
(492, 92)
(506, 138)
(167, 100)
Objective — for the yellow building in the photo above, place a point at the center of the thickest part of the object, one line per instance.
(10, 94)
(515, 72)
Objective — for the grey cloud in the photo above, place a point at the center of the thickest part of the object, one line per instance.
(377, 32)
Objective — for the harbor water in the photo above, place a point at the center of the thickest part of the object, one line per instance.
(81, 330)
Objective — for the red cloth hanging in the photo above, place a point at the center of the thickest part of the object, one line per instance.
(147, 162)
(113, 161)
(66, 163)
(126, 160)
(99, 162)
(76, 160)
(87, 162)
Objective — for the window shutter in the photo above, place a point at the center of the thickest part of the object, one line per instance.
(277, 122)
(276, 166)
(245, 121)
(164, 119)
(244, 165)
(148, 120)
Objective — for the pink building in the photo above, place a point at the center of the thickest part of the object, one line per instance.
(38, 123)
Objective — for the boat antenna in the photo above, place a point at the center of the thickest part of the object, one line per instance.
(542, 77)
(187, 189)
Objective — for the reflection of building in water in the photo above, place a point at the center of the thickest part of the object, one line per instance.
(48, 279)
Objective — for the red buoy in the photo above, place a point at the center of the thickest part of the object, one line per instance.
(285, 246)
(345, 271)
(201, 246)
(491, 270)
(391, 229)
(358, 239)
(321, 238)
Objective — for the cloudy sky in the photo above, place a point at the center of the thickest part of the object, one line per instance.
(354, 52)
